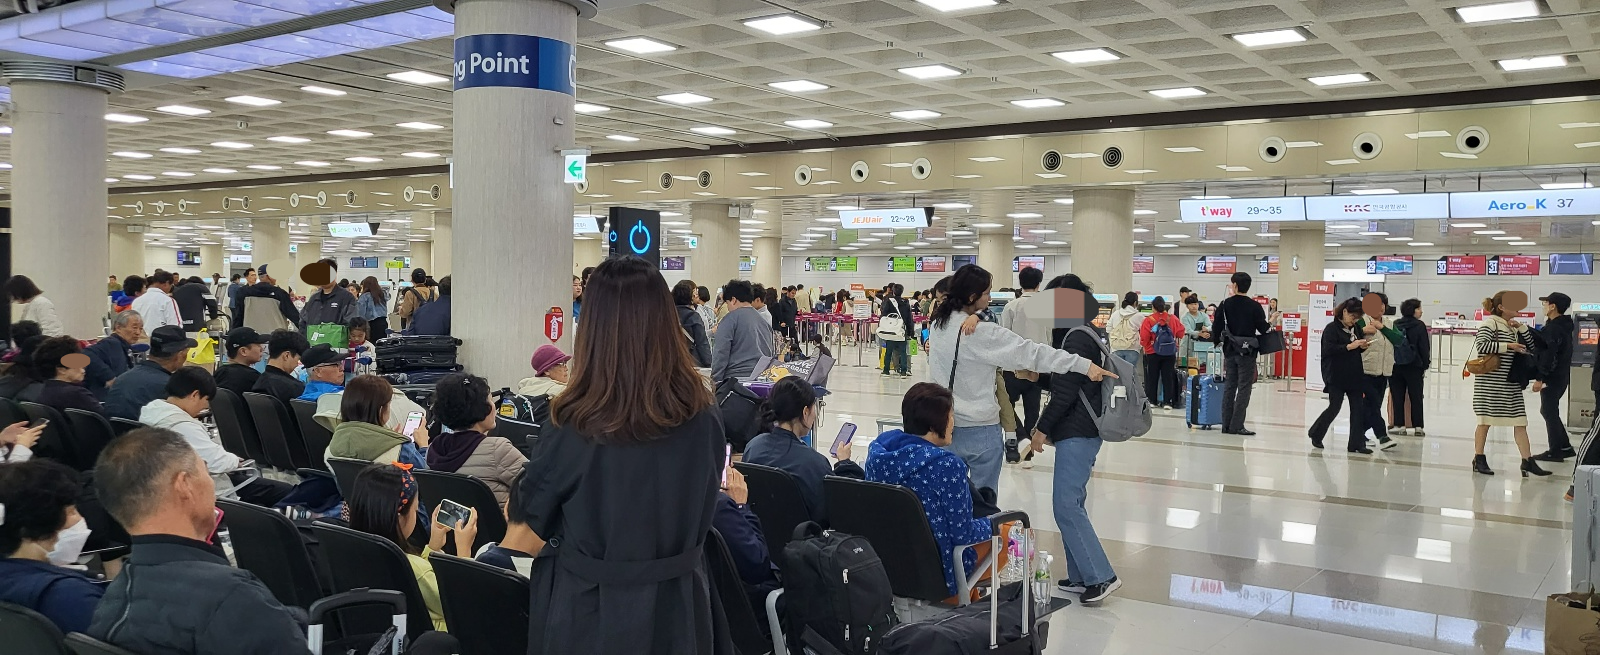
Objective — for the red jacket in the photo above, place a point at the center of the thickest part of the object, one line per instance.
(1147, 335)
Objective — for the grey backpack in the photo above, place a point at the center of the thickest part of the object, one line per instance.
(1125, 412)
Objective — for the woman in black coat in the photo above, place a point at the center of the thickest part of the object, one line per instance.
(1342, 376)
(625, 487)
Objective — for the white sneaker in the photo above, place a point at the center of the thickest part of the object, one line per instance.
(1418, 433)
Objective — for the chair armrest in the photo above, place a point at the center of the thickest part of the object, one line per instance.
(775, 623)
(1008, 516)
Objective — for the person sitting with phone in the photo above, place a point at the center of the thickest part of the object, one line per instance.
(363, 413)
(465, 407)
(514, 552)
(383, 502)
(741, 531)
(42, 533)
(792, 413)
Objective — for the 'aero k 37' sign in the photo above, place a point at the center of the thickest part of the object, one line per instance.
(515, 60)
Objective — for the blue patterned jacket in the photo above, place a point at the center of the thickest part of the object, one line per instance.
(939, 478)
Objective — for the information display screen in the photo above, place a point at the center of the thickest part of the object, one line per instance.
(672, 263)
(1267, 265)
(1572, 263)
(1035, 262)
(188, 258)
(902, 264)
(1144, 264)
(1389, 265)
(1217, 264)
(1463, 265)
(931, 264)
(635, 232)
(1514, 265)
(962, 260)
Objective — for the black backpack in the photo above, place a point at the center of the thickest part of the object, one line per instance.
(521, 419)
(836, 595)
(741, 412)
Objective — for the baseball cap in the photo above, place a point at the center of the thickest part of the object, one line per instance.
(319, 355)
(169, 340)
(240, 337)
(1560, 300)
(261, 270)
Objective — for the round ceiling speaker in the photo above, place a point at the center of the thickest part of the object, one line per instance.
(802, 175)
(409, 194)
(703, 180)
(1112, 157)
(1472, 140)
(1272, 149)
(1051, 160)
(350, 197)
(322, 198)
(1367, 145)
(859, 171)
(582, 186)
(434, 192)
(665, 181)
(294, 200)
(921, 168)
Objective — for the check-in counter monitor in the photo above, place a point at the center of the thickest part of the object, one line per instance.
(1585, 351)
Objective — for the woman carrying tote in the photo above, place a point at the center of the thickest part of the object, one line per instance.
(1496, 394)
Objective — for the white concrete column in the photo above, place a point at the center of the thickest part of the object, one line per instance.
(58, 148)
(213, 260)
(716, 261)
(1102, 239)
(586, 253)
(421, 257)
(127, 252)
(1300, 260)
(768, 270)
(995, 251)
(514, 208)
(269, 245)
(443, 243)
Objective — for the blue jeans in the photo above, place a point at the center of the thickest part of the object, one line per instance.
(1086, 559)
(982, 447)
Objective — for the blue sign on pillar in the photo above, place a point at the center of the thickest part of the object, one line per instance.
(635, 232)
(515, 60)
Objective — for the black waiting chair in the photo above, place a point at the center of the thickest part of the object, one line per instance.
(360, 560)
(891, 518)
(56, 441)
(82, 644)
(775, 499)
(11, 412)
(23, 630)
(486, 606)
(345, 471)
(121, 426)
(267, 544)
(234, 427)
(90, 432)
(316, 437)
(433, 486)
(744, 626)
(279, 434)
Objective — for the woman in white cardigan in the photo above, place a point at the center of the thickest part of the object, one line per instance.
(31, 305)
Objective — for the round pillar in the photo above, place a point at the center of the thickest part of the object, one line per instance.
(995, 252)
(768, 270)
(127, 252)
(269, 246)
(1102, 239)
(421, 257)
(443, 242)
(1300, 261)
(212, 260)
(716, 261)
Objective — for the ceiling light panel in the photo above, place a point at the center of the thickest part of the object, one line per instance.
(641, 46)
(783, 24)
(1269, 38)
(1336, 80)
(183, 110)
(1088, 56)
(1180, 92)
(798, 86)
(931, 72)
(1037, 103)
(956, 5)
(684, 98)
(253, 101)
(915, 114)
(1498, 11)
(417, 77)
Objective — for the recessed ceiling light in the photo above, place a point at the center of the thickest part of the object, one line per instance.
(289, 139)
(265, 167)
(931, 72)
(354, 134)
(1416, 244)
(621, 137)
(178, 174)
(1244, 245)
(869, 240)
(1233, 228)
(125, 118)
(1174, 236)
(232, 145)
(322, 90)
(1373, 192)
(1344, 78)
(1037, 103)
(952, 205)
(798, 86)
(1144, 212)
(363, 160)
(783, 24)
(1024, 215)
(684, 98)
(1498, 11)
(1063, 201)
(986, 226)
(915, 114)
(132, 155)
(1212, 242)
(1166, 245)
(1522, 243)
(417, 77)
(1180, 92)
(312, 164)
(1141, 230)
(183, 110)
(1044, 231)
(1467, 225)
(1267, 234)
(137, 176)
(420, 155)
(1488, 232)
(1269, 37)
(1505, 238)
(1373, 233)
(1209, 197)
(253, 101)
(586, 108)
(418, 125)
(641, 46)
(808, 124)
(1089, 56)
(5, 129)
(1533, 63)
(1397, 238)
(712, 130)
(219, 171)
(111, 180)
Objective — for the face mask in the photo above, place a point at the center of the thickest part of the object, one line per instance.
(69, 544)
(301, 374)
(261, 366)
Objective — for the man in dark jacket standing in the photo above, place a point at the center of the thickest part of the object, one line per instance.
(1555, 373)
(196, 305)
(177, 593)
(331, 303)
(113, 355)
(1238, 327)
(131, 391)
(434, 317)
(236, 297)
(268, 288)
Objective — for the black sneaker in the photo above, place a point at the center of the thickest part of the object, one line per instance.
(1556, 455)
(1070, 587)
(1094, 594)
(1012, 456)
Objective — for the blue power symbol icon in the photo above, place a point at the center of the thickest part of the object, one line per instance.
(633, 238)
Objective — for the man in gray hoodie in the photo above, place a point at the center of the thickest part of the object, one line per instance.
(743, 337)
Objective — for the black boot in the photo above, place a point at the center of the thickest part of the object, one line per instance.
(1480, 464)
(1531, 467)
(1012, 456)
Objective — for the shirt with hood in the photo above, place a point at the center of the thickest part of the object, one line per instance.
(374, 443)
(939, 479)
(540, 386)
(984, 352)
(162, 414)
(1117, 340)
(265, 289)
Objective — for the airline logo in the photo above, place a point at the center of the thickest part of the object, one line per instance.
(1272, 210)
(1391, 207)
(1531, 203)
(1216, 212)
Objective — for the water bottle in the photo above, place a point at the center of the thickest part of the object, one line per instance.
(1016, 568)
(1041, 583)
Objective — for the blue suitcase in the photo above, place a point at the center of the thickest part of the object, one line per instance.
(1205, 401)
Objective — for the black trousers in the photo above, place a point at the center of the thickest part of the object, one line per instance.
(1373, 399)
(1239, 373)
(1030, 393)
(1406, 390)
(377, 328)
(1160, 372)
(1358, 411)
(1550, 409)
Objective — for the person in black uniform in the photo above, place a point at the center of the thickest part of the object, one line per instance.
(239, 374)
(1239, 323)
(1555, 374)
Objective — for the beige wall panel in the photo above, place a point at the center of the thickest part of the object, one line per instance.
(1094, 170)
(1557, 129)
(1169, 165)
(1244, 150)
(1005, 172)
(1507, 143)
(1338, 136)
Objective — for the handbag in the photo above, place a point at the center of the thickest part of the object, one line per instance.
(1271, 342)
(1483, 365)
(205, 349)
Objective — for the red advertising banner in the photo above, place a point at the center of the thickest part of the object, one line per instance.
(931, 264)
(1144, 264)
(1514, 265)
(1218, 264)
(1463, 265)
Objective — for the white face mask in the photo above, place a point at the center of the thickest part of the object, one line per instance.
(69, 544)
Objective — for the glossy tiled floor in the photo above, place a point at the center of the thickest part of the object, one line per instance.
(1243, 545)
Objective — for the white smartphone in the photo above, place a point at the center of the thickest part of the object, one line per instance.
(453, 514)
(413, 421)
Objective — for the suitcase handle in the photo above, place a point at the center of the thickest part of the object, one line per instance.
(356, 597)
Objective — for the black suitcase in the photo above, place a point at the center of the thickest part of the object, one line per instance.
(1005, 625)
(409, 353)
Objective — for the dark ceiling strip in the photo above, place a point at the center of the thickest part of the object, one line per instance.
(301, 24)
(1163, 119)
(292, 179)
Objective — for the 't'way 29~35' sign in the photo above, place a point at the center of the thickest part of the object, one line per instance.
(515, 60)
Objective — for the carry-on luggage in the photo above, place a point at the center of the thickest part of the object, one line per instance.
(837, 594)
(1183, 391)
(521, 419)
(1586, 527)
(409, 353)
(1205, 401)
(321, 610)
(741, 413)
(1009, 624)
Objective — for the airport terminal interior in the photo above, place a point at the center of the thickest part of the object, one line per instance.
(1441, 151)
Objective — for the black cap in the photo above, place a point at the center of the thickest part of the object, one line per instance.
(1560, 300)
(261, 270)
(319, 355)
(169, 340)
(241, 337)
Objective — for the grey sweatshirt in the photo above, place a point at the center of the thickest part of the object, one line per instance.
(989, 349)
(743, 337)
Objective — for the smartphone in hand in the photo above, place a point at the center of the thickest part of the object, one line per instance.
(727, 461)
(846, 433)
(453, 514)
(413, 421)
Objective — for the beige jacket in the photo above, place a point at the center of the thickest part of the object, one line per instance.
(497, 463)
(1378, 358)
(409, 303)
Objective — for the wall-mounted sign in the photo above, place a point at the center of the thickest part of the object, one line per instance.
(585, 224)
(673, 264)
(897, 219)
(1410, 206)
(1144, 264)
(349, 230)
(844, 264)
(1577, 263)
(902, 264)
(931, 264)
(1514, 265)
(1463, 265)
(1217, 264)
(554, 320)
(635, 232)
(238, 259)
(1242, 209)
(574, 168)
(515, 60)
(1502, 204)
(748, 263)
(1032, 261)
(1389, 265)
(394, 264)
(294, 248)
(1267, 265)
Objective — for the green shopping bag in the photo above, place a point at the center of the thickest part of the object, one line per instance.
(911, 346)
(333, 334)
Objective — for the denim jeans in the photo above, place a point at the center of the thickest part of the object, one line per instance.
(1086, 559)
(982, 447)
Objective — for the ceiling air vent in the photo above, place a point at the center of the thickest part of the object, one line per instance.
(1112, 157)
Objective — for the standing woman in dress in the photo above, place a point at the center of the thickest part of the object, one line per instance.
(624, 488)
(1496, 398)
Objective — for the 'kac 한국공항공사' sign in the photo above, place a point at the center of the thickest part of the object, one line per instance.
(515, 60)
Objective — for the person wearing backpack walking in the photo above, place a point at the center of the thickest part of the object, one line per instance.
(1068, 423)
(1160, 335)
(1411, 360)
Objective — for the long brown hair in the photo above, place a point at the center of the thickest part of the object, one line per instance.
(631, 379)
(370, 285)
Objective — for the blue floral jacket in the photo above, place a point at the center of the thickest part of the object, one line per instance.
(939, 478)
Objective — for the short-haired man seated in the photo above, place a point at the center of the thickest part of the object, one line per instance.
(188, 395)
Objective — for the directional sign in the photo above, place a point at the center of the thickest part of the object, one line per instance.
(575, 171)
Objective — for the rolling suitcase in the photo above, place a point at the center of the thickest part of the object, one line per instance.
(1183, 391)
(409, 353)
(1205, 401)
(1009, 624)
(1586, 527)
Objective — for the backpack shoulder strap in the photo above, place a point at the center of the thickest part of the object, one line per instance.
(955, 361)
